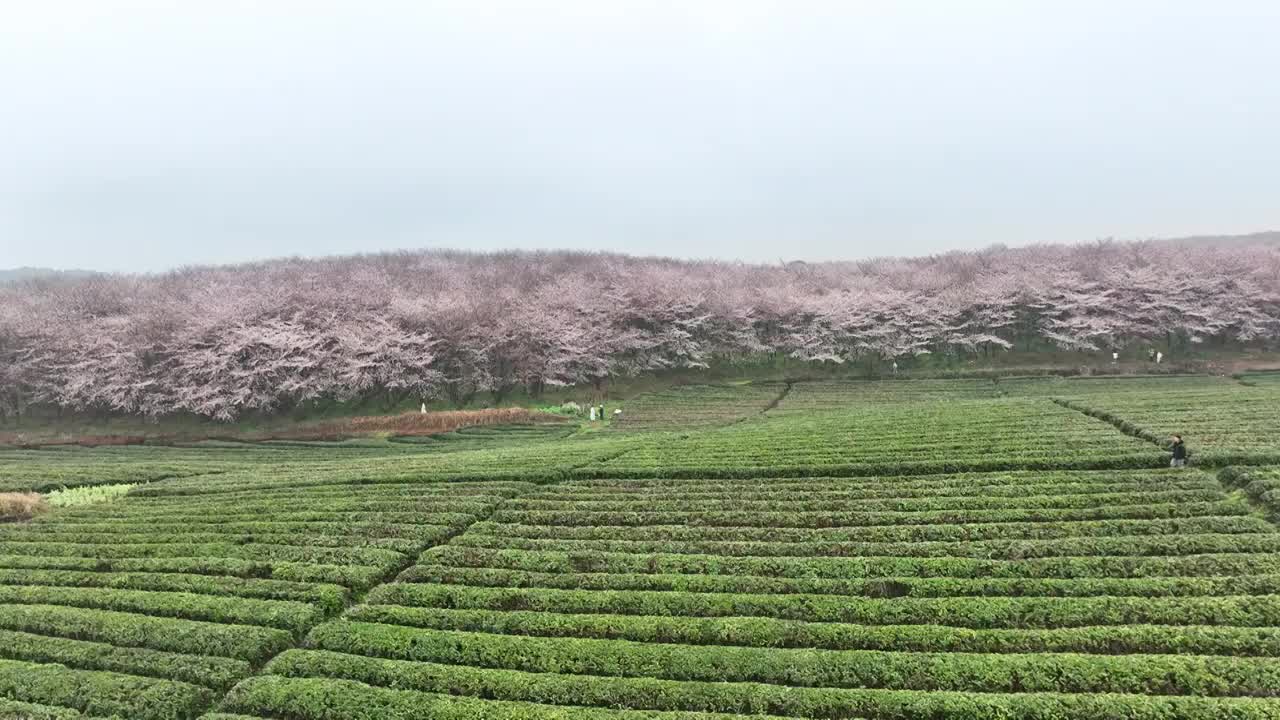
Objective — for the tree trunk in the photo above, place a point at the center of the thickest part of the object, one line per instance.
(454, 394)
(392, 398)
(500, 393)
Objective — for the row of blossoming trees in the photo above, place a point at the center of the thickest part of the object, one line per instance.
(223, 341)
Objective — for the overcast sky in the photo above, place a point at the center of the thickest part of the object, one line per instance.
(145, 135)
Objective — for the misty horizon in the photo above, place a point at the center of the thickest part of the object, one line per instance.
(25, 271)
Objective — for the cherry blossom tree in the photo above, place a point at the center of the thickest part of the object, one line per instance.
(221, 342)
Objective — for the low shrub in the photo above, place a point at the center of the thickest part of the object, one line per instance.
(1013, 612)
(771, 632)
(88, 494)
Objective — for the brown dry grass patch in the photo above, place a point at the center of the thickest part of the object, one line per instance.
(21, 506)
(409, 423)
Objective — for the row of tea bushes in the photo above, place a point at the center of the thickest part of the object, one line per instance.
(826, 598)
(153, 606)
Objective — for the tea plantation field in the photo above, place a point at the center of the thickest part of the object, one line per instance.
(837, 550)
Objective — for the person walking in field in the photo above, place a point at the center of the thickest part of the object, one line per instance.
(1179, 449)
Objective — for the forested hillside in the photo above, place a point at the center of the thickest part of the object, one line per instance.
(222, 341)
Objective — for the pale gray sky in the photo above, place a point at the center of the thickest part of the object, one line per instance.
(143, 135)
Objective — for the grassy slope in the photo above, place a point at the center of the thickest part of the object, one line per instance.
(847, 428)
(619, 391)
(285, 534)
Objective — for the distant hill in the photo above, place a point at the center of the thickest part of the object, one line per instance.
(33, 273)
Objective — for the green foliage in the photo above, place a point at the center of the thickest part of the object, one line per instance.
(1010, 595)
(485, 437)
(101, 693)
(836, 554)
(329, 597)
(807, 398)
(213, 672)
(316, 699)
(950, 671)
(1123, 566)
(152, 606)
(36, 711)
(53, 470)
(88, 494)
(157, 633)
(741, 698)
(877, 587)
(1222, 422)
(986, 612)
(861, 518)
(697, 406)
(889, 439)
(1227, 523)
(1260, 484)
(283, 614)
(997, 549)
(774, 633)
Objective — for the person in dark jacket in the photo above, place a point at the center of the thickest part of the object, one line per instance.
(1179, 449)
